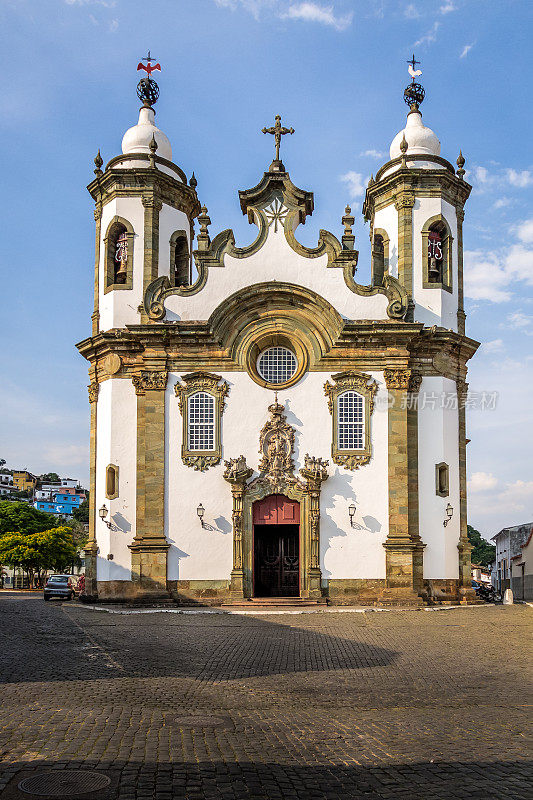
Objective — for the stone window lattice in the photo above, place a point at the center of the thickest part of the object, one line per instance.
(277, 364)
(201, 429)
(350, 421)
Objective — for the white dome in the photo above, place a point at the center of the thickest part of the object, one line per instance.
(138, 138)
(420, 140)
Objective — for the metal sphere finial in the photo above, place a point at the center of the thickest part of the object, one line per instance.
(415, 92)
(147, 88)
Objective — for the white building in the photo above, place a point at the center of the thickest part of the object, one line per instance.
(349, 484)
(6, 484)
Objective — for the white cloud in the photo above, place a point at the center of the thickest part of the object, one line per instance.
(354, 181)
(430, 37)
(515, 500)
(520, 321)
(503, 202)
(411, 11)
(313, 12)
(373, 153)
(113, 25)
(494, 346)
(521, 179)
(488, 275)
(482, 482)
(465, 51)
(524, 231)
(447, 8)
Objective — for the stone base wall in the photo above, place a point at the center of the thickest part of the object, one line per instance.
(202, 593)
(337, 592)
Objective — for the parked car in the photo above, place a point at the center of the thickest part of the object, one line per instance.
(59, 586)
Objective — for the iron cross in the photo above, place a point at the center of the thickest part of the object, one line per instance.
(277, 131)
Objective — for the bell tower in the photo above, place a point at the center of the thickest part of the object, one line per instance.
(144, 212)
(415, 206)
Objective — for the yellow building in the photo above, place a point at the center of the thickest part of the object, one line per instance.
(23, 480)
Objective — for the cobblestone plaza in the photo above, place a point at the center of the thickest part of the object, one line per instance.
(399, 704)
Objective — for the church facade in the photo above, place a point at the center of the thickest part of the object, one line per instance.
(262, 425)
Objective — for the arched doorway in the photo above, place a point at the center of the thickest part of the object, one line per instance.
(276, 526)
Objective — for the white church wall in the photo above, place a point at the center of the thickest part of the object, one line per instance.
(346, 552)
(387, 219)
(276, 261)
(438, 441)
(116, 444)
(119, 308)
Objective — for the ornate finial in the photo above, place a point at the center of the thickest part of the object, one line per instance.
(193, 183)
(277, 131)
(348, 239)
(403, 147)
(414, 93)
(203, 239)
(371, 180)
(460, 165)
(98, 161)
(152, 147)
(147, 88)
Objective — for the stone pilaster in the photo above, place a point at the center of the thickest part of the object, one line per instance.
(465, 548)
(315, 472)
(152, 207)
(95, 316)
(403, 546)
(404, 205)
(461, 316)
(91, 549)
(237, 473)
(415, 382)
(150, 547)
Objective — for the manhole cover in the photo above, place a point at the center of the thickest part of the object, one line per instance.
(195, 721)
(62, 783)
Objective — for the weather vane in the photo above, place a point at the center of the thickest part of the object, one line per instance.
(415, 92)
(277, 131)
(147, 88)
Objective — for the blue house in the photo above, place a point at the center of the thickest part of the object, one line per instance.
(62, 504)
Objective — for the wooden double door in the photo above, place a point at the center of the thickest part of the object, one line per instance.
(276, 547)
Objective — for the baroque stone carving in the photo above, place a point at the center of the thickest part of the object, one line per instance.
(363, 384)
(93, 388)
(276, 444)
(404, 200)
(397, 378)
(237, 470)
(149, 380)
(415, 381)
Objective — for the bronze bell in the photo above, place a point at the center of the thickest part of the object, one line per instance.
(434, 271)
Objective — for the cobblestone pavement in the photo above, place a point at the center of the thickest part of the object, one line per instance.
(407, 704)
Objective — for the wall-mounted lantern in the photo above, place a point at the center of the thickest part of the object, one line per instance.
(351, 512)
(449, 514)
(103, 512)
(201, 511)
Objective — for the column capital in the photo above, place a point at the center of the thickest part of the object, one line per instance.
(404, 200)
(93, 389)
(397, 378)
(150, 380)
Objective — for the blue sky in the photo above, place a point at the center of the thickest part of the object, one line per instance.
(335, 70)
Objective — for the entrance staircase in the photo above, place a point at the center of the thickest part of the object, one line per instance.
(276, 602)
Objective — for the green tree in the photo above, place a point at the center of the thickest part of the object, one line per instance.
(82, 513)
(25, 519)
(49, 477)
(483, 553)
(38, 552)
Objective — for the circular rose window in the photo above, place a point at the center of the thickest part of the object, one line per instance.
(277, 365)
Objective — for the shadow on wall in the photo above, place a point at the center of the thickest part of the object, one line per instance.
(116, 571)
(121, 523)
(330, 530)
(415, 780)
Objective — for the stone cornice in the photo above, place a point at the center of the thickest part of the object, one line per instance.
(401, 185)
(147, 183)
(361, 346)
